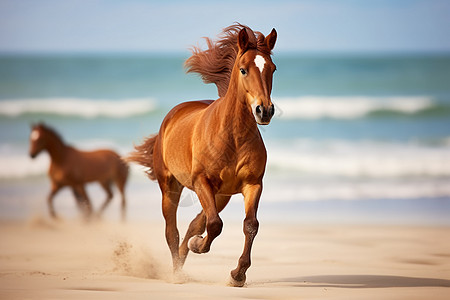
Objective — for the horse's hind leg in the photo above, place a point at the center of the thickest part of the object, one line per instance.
(107, 187)
(120, 183)
(198, 226)
(252, 194)
(171, 191)
(83, 201)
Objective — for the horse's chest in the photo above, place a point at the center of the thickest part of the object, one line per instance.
(227, 175)
(234, 176)
(64, 176)
(58, 174)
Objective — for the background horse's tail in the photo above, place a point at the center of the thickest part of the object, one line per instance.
(143, 155)
(122, 172)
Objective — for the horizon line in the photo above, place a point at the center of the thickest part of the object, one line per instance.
(171, 53)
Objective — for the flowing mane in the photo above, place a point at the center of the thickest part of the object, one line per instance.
(51, 132)
(215, 63)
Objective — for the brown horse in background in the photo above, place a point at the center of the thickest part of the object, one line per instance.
(214, 147)
(73, 168)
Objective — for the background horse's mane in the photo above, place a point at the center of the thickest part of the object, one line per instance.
(49, 131)
(215, 63)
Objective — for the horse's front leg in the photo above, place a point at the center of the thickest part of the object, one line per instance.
(251, 193)
(54, 190)
(214, 224)
(198, 225)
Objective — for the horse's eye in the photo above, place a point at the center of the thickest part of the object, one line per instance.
(243, 71)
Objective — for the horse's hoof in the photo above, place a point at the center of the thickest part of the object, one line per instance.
(55, 217)
(179, 277)
(236, 283)
(194, 243)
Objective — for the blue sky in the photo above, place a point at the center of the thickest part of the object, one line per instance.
(174, 26)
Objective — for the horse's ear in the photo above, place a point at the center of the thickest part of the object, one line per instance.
(271, 39)
(243, 40)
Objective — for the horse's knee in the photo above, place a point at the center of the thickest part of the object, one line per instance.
(251, 226)
(214, 226)
(197, 226)
(169, 210)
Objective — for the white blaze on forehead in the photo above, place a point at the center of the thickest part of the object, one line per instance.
(35, 135)
(260, 62)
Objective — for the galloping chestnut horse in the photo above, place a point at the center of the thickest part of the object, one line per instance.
(74, 168)
(214, 147)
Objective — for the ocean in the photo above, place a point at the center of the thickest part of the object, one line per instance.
(354, 137)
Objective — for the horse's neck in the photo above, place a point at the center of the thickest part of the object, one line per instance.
(56, 149)
(235, 117)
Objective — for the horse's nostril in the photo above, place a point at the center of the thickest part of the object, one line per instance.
(258, 109)
(272, 110)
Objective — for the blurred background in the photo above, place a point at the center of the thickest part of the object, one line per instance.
(362, 94)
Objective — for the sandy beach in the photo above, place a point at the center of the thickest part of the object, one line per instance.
(42, 259)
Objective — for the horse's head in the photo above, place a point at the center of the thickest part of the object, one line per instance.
(255, 70)
(37, 140)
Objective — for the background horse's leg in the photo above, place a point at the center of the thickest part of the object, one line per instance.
(107, 187)
(120, 183)
(251, 193)
(83, 201)
(53, 191)
(214, 224)
(171, 192)
(198, 226)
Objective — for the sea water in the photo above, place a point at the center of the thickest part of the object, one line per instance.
(362, 133)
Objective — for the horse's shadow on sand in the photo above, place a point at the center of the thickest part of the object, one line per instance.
(363, 281)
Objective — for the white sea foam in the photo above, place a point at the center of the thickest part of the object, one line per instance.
(311, 170)
(359, 158)
(280, 189)
(316, 107)
(21, 166)
(85, 108)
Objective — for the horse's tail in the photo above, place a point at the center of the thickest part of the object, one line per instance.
(143, 155)
(123, 171)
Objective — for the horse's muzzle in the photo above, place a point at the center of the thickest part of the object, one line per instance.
(264, 114)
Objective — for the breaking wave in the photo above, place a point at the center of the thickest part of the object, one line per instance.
(317, 107)
(356, 159)
(76, 107)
